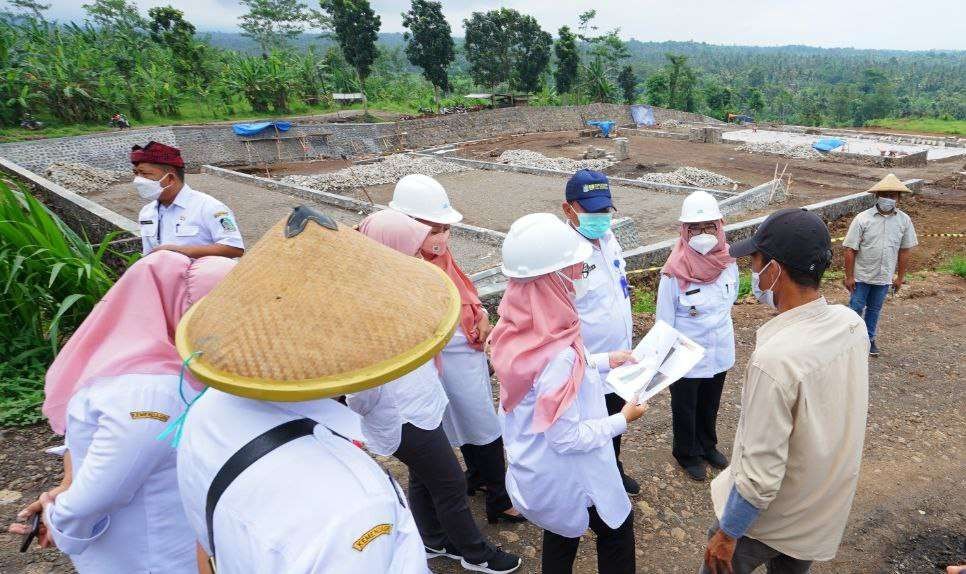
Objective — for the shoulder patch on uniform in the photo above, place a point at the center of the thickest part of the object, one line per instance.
(219, 214)
(370, 535)
(228, 224)
(150, 415)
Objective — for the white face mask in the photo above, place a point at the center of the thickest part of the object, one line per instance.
(764, 296)
(581, 286)
(886, 204)
(703, 243)
(148, 189)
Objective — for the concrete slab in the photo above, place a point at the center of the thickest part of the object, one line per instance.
(852, 145)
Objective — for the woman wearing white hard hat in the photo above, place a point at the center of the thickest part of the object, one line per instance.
(699, 285)
(470, 420)
(562, 471)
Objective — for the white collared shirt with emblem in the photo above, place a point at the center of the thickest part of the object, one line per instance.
(122, 512)
(193, 218)
(605, 310)
(318, 504)
(555, 475)
(702, 312)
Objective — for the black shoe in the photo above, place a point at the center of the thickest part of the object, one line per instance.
(696, 471)
(497, 517)
(873, 350)
(631, 487)
(716, 459)
(447, 551)
(472, 489)
(498, 562)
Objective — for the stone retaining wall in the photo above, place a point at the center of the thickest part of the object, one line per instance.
(108, 150)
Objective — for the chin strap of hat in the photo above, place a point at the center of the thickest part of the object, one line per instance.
(300, 217)
(176, 427)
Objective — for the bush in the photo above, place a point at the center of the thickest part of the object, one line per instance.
(957, 266)
(644, 301)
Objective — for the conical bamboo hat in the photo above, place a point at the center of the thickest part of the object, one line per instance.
(889, 183)
(316, 310)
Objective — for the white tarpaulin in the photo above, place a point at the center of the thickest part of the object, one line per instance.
(663, 356)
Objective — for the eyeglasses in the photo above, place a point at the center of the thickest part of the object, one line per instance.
(698, 229)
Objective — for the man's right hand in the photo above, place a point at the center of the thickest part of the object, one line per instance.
(849, 283)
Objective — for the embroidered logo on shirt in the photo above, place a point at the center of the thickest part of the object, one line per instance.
(150, 415)
(370, 535)
(220, 214)
(227, 224)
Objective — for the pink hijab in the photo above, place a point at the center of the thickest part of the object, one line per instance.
(538, 319)
(688, 266)
(471, 311)
(131, 330)
(396, 230)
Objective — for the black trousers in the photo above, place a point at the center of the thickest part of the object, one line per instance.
(437, 493)
(694, 410)
(614, 405)
(485, 467)
(615, 548)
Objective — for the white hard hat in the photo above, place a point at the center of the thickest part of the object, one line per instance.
(540, 243)
(699, 206)
(423, 197)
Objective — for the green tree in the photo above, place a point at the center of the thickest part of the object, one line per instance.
(356, 28)
(754, 100)
(116, 14)
(429, 43)
(656, 89)
(628, 83)
(31, 8)
(169, 28)
(566, 75)
(531, 54)
(680, 82)
(719, 99)
(489, 40)
(273, 23)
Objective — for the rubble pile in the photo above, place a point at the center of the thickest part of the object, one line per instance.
(389, 170)
(82, 178)
(795, 151)
(527, 158)
(689, 176)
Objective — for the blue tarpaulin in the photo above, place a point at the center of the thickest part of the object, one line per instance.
(643, 115)
(828, 144)
(605, 126)
(257, 127)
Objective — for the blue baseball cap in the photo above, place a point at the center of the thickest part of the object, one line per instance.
(591, 190)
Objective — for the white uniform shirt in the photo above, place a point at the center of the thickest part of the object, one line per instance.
(193, 218)
(470, 417)
(554, 476)
(316, 505)
(122, 512)
(711, 325)
(416, 397)
(605, 310)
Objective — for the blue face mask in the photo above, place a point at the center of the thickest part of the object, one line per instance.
(594, 225)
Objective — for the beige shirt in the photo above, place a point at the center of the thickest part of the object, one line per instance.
(878, 239)
(799, 440)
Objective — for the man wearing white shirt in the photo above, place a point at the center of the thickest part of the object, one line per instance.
(605, 309)
(179, 218)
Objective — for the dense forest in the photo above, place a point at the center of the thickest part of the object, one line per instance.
(156, 67)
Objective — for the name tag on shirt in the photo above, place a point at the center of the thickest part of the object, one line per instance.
(147, 227)
(185, 230)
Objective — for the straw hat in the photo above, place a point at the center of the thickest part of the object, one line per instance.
(317, 310)
(889, 183)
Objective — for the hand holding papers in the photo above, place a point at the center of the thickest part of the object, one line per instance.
(663, 356)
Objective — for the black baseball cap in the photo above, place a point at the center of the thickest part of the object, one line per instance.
(590, 189)
(794, 236)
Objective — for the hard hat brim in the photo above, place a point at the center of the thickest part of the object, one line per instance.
(447, 217)
(583, 253)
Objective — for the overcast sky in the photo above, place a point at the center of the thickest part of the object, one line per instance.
(895, 24)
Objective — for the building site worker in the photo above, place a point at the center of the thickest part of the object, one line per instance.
(470, 419)
(270, 478)
(877, 248)
(699, 285)
(605, 305)
(112, 389)
(562, 472)
(403, 418)
(784, 501)
(179, 218)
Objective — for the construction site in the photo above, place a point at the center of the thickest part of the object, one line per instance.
(499, 165)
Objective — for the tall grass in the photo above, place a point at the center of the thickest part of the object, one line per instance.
(50, 279)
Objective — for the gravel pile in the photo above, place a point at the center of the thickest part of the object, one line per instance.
(690, 176)
(796, 151)
(82, 178)
(389, 170)
(670, 124)
(527, 158)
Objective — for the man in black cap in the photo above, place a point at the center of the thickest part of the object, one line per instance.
(785, 498)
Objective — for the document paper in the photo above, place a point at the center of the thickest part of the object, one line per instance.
(663, 356)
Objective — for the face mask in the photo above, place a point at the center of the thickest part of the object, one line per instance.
(703, 243)
(581, 286)
(764, 296)
(435, 243)
(886, 204)
(593, 225)
(148, 189)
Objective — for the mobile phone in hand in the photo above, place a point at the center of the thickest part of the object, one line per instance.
(34, 531)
